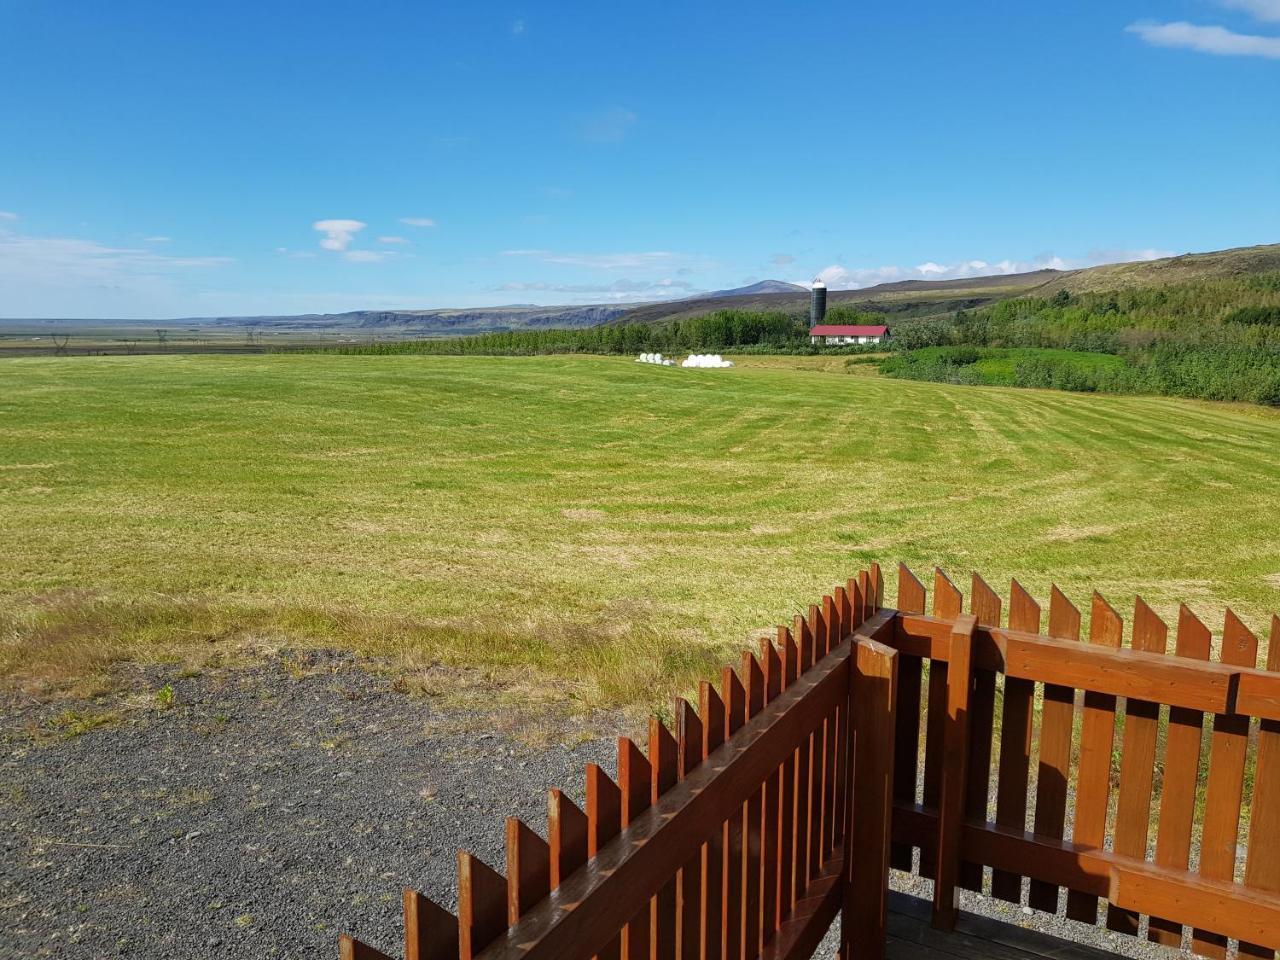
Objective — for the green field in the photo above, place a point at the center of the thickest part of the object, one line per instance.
(619, 528)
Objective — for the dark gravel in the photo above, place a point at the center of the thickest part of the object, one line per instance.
(260, 811)
(259, 814)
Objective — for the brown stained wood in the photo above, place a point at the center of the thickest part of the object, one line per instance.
(830, 764)
(482, 905)
(954, 761)
(911, 598)
(1137, 763)
(1232, 908)
(753, 679)
(1016, 724)
(800, 822)
(430, 931)
(711, 709)
(1202, 687)
(1097, 738)
(845, 608)
(984, 604)
(349, 948)
(663, 763)
(567, 836)
(1133, 884)
(528, 869)
(802, 932)
(947, 604)
(1181, 769)
(689, 882)
(906, 758)
(604, 822)
(864, 592)
(770, 852)
(635, 865)
(876, 575)
(805, 790)
(1224, 791)
(1262, 865)
(872, 732)
(635, 780)
(1057, 726)
(786, 792)
(734, 695)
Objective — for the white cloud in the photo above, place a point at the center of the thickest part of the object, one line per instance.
(418, 221)
(157, 239)
(392, 240)
(839, 277)
(1215, 40)
(338, 234)
(607, 126)
(622, 289)
(1266, 10)
(8, 215)
(368, 256)
(656, 259)
(52, 276)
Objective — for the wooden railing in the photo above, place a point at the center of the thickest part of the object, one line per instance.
(864, 734)
(1190, 800)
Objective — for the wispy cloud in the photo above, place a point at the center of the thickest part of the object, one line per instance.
(623, 289)
(157, 239)
(1215, 40)
(369, 256)
(781, 259)
(839, 277)
(418, 221)
(8, 215)
(30, 261)
(609, 125)
(1266, 10)
(392, 240)
(338, 234)
(517, 27)
(656, 259)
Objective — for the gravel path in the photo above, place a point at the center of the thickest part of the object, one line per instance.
(257, 813)
(260, 811)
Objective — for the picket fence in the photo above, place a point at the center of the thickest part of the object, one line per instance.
(866, 739)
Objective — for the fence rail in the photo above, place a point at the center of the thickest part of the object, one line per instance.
(1104, 781)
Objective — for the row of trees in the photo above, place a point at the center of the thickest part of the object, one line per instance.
(1216, 340)
(737, 330)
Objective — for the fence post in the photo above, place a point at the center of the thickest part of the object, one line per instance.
(874, 683)
(954, 767)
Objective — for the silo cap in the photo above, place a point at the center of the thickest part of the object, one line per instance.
(818, 284)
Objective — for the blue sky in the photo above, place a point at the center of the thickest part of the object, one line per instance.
(162, 159)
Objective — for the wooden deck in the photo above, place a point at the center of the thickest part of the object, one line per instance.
(975, 938)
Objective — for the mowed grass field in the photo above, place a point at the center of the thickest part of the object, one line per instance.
(611, 529)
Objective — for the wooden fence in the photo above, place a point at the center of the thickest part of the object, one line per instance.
(865, 734)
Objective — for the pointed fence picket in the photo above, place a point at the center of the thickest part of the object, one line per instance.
(1138, 779)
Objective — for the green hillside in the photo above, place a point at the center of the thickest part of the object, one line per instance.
(1173, 271)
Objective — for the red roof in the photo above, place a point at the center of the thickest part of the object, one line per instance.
(846, 330)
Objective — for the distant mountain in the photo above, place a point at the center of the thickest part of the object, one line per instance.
(764, 286)
(916, 297)
(453, 322)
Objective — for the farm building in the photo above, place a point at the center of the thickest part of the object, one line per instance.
(835, 335)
